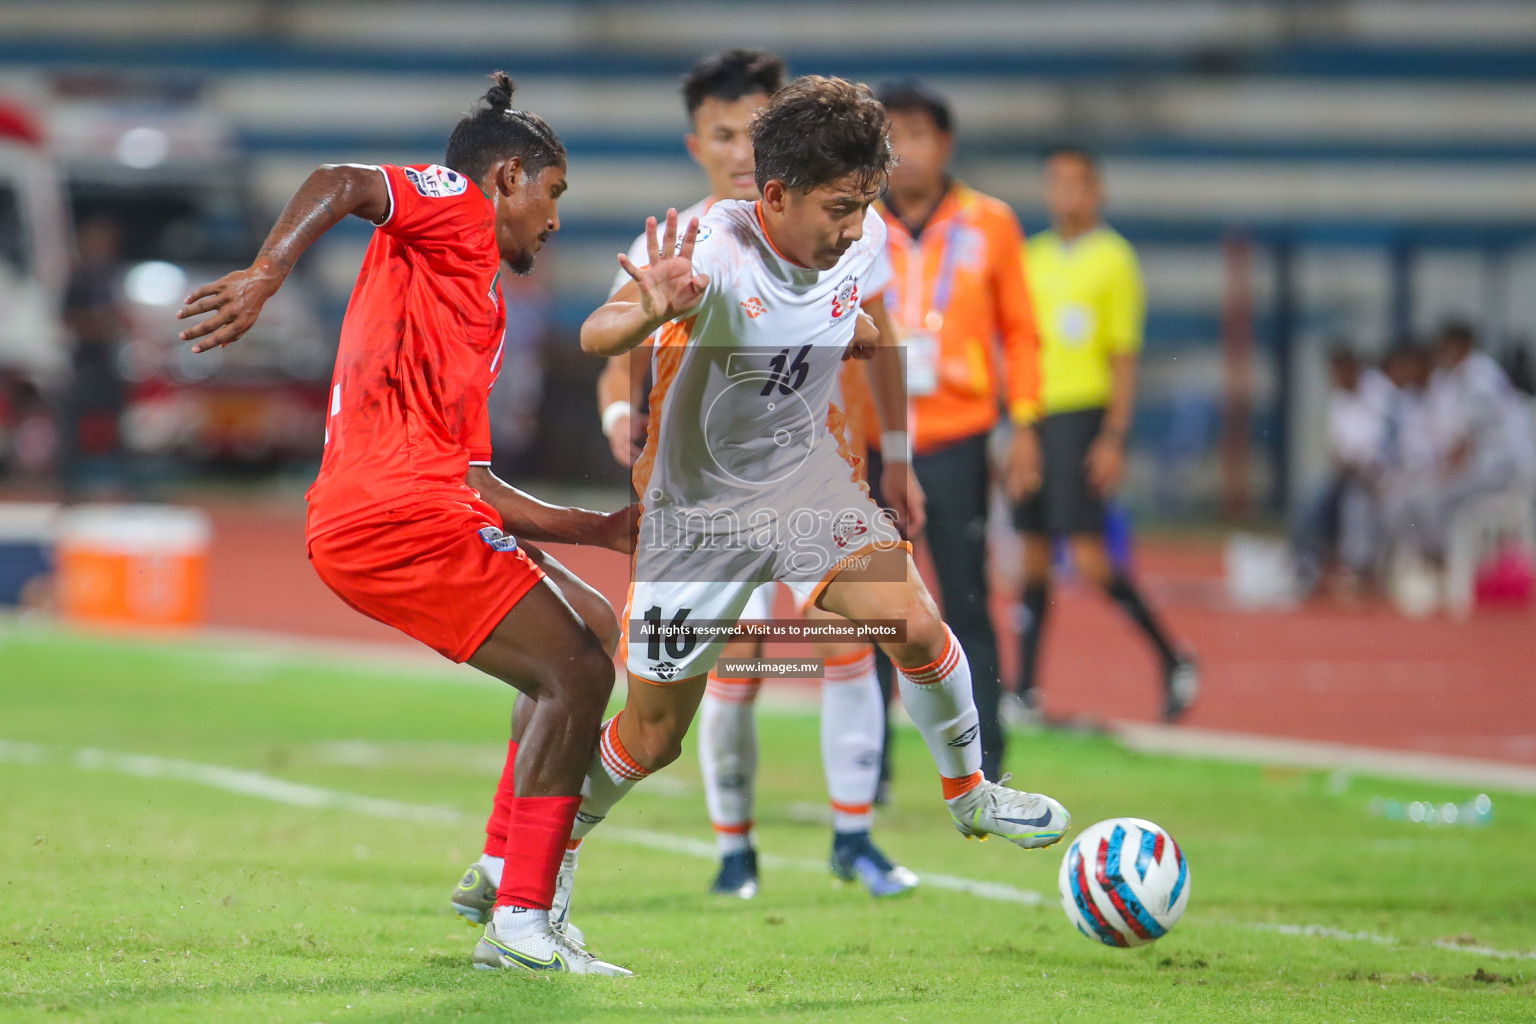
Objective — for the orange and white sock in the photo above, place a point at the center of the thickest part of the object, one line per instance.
(611, 775)
(938, 699)
(852, 730)
(728, 758)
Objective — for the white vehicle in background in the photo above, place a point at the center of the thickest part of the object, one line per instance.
(34, 268)
(168, 173)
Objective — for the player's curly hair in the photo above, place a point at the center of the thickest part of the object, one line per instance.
(495, 132)
(816, 130)
(730, 75)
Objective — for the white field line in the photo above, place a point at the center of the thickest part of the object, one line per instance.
(1275, 750)
(1325, 932)
(248, 650)
(265, 787)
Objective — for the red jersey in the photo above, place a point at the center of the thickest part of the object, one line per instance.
(420, 349)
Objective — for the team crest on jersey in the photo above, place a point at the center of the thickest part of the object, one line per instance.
(436, 181)
(846, 298)
(755, 307)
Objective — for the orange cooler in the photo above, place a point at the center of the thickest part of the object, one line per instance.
(133, 564)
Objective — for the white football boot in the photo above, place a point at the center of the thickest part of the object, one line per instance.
(537, 949)
(1030, 820)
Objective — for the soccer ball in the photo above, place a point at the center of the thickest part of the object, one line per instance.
(1124, 882)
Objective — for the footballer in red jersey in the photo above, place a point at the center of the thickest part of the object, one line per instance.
(407, 524)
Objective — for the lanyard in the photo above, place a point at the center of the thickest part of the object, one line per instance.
(946, 282)
(944, 285)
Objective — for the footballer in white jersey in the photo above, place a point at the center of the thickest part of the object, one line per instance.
(755, 308)
(742, 482)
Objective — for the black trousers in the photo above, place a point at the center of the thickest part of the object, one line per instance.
(955, 481)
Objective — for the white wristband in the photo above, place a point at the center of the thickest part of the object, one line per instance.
(615, 412)
(895, 446)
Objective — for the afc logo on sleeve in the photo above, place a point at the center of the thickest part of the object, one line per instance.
(436, 181)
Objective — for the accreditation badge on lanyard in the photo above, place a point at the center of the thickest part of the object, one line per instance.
(924, 351)
(923, 356)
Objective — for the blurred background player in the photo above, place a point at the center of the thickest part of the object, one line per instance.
(957, 300)
(406, 522)
(721, 93)
(1088, 295)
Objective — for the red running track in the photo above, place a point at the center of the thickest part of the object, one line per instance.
(1349, 675)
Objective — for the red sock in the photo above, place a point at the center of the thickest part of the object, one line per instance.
(501, 809)
(542, 825)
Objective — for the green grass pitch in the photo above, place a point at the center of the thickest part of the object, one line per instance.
(133, 891)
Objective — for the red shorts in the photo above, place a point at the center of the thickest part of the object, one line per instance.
(444, 575)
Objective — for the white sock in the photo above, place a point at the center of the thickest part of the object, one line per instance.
(852, 729)
(611, 775)
(938, 699)
(492, 866)
(728, 758)
(513, 923)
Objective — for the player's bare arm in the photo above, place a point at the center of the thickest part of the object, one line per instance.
(899, 488)
(327, 196)
(528, 518)
(661, 292)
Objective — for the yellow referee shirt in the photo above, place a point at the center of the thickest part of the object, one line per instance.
(1090, 304)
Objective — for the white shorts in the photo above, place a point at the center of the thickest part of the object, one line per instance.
(689, 592)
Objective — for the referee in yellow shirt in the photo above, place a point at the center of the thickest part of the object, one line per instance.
(1087, 294)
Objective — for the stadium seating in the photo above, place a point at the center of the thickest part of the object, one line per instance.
(1379, 152)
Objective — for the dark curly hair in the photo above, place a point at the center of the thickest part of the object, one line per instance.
(496, 132)
(731, 75)
(816, 130)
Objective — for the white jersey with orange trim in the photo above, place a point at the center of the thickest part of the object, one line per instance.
(741, 480)
(745, 381)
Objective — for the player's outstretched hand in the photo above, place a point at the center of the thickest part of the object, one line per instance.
(235, 300)
(668, 285)
(866, 338)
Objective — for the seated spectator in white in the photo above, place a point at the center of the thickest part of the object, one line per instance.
(1484, 420)
(1343, 525)
(1411, 455)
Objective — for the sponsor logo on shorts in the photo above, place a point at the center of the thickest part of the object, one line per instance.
(848, 526)
(666, 671)
(496, 539)
(436, 182)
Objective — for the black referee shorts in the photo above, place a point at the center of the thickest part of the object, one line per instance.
(1066, 503)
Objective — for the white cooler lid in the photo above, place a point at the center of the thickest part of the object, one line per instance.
(29, 522)
(136, 529)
